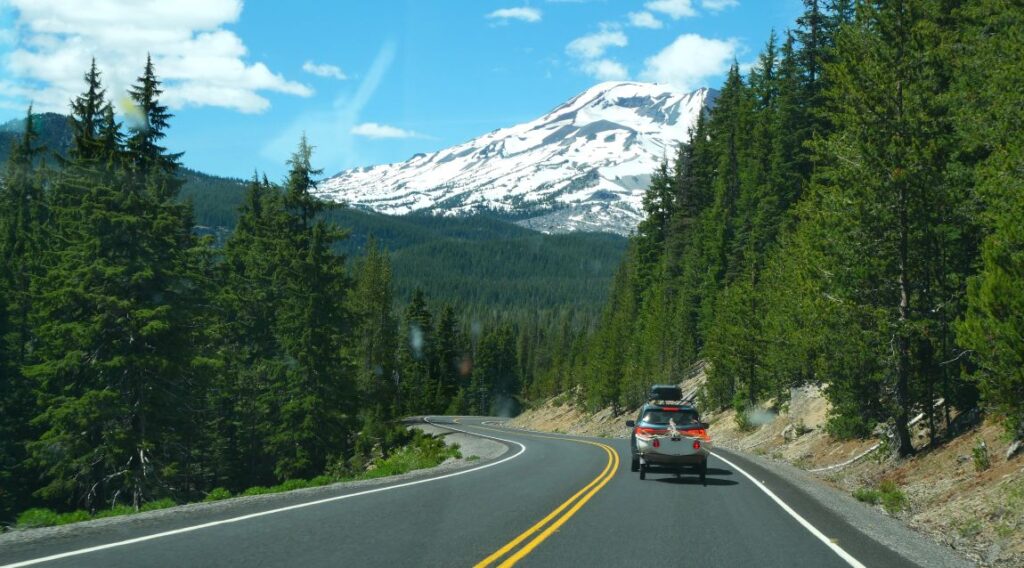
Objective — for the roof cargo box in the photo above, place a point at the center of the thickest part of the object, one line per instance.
(666, 392)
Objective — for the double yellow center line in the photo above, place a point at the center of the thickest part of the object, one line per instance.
(539, 532)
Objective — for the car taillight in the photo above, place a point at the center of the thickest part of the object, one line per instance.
(696, 444)
(657, 443)
(699, 433)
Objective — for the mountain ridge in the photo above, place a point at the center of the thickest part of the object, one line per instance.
(584, 165)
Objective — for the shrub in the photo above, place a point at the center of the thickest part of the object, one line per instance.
(847, 427)
(159, 504)
(739, 404)
(867, 495)
(887, 493)
(38, 517)
(982, 461)
(292, 484)
(115, 511)
(893, 499)
(969, 528)
(217, 494)
(257, 490)
(320, 480)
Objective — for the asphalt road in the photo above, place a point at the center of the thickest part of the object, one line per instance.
(548, 501)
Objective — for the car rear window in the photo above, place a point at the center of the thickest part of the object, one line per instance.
(681, 417)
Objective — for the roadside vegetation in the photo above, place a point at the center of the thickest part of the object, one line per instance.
(421, 451)
(888, 494)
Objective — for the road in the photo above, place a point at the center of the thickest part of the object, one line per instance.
(548, 501)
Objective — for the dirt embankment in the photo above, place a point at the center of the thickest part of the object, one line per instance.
(949, 491)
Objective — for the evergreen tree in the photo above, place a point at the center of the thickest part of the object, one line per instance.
(314, 328)
(989, 113)
(23, 215)
(372, 301)
(417, 386)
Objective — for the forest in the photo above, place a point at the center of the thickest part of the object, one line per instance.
(848, 215)
(146, 361)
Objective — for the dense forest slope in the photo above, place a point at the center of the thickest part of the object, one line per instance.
(482, 261)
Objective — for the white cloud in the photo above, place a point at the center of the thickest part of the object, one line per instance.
(718, 5)
(594, 45)
(674, 9)
(689, 61)
(606, 70)
(200, 62)
(329, 129)
(589, 51)
(531, 15)
(644, 20)
(374, 130)
(324, 70)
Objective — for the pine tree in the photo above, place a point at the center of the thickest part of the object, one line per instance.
(989, 115)
(372, 301)
(417, 386)
(147, 157)
(315, 329)
(448, 357)
(23, 215)
(243, 398)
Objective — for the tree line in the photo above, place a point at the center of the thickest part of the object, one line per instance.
(847, 215)
(140, 362)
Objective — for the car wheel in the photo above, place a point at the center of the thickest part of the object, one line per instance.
(643, 472)
(635, 465)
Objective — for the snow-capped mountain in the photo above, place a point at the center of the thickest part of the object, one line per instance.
(582, 166)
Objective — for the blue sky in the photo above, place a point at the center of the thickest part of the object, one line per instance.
(370, 82)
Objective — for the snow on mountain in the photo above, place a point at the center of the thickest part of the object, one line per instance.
(582, 166)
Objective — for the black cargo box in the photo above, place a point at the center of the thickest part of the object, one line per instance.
(666, 392)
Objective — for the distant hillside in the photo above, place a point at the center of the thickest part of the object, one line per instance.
(480, 260)
(52, 128)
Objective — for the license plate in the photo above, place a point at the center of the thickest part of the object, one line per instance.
(676, 439)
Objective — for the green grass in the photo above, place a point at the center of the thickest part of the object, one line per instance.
(969, 528)
(891, 497)
(42, 517)
(423, 452)
(218, 494)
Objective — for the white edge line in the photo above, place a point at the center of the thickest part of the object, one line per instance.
(806, 524)
(81, 551)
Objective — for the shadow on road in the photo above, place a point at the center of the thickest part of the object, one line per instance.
(694, 480)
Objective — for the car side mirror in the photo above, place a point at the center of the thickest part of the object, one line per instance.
(630, 423)
(705, 425)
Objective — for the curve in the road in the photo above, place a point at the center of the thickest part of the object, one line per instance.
(81, 551)
(556, 518)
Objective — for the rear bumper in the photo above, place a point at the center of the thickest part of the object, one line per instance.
(663, 460)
